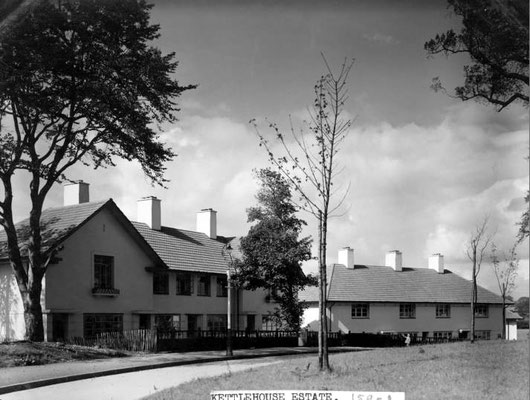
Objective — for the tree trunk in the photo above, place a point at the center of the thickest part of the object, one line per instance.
(323, 357)
(33, 314)
(503, 332)
(473, 299)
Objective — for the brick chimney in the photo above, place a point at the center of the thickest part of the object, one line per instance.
(394, 259)
(76, 193)
(207, 222)
(149, 212)
(346, 257)
(436, 262)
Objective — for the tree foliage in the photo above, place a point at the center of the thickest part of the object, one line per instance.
(79, 83)
(521, 306)
(272, 252)
(495, 36)
(309, 164)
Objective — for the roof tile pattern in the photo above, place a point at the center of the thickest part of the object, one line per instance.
(187, 250)
(56, 224)
(383, 284)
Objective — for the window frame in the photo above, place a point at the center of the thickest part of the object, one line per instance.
(161, 282)
(440, 311)
(410, 314)
(481, 307)
(98, 268)
(100, 319)
(184, 283)
(360, 310)
(204, 285)
(221, 285)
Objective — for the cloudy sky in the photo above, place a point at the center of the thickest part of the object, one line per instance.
(423, 169)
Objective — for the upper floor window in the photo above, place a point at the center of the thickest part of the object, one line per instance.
(184, 284)
(160, 282)
(443, 311)
(481, 311)
(407, 310)
(203, 285)
(104, 276)
(222, 286)
(360, 310)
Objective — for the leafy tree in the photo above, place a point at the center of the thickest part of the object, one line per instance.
(476, 248)
(272, 252)
(495, 36)
(310, 166)
(80, 84)
(521, 306)
(506, 274)
(524, 224)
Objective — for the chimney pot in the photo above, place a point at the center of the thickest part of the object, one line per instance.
(394, 259)
(76, 193)
(207, 222)
(150, 212)
(346, 257)
(436, 262)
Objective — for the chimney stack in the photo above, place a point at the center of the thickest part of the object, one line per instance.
(346, 257)
(149, 212)
(394, 259)
(207, 222)
(76, 193)
(436, 262)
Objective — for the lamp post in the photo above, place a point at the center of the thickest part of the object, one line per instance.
(229, 351)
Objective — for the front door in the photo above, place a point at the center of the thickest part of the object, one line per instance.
(59, 327)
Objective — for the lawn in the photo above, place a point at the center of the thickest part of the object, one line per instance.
(483, 370)
(16, 354)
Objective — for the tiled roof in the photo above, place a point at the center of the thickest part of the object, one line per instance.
(57, 224)
(383, 284)
(187, 250)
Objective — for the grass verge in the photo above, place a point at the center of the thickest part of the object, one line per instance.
(15, 354)
(483, 370)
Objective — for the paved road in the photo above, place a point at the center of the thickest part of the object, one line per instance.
(135, 385)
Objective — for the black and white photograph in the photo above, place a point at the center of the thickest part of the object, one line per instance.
(264, 199)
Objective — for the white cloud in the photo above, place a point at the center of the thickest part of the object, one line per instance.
(382, 38)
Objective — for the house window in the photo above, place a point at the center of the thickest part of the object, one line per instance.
(484, 335)
(269, 323)
(360, 310)
(184, 284)
(103, 272)
(443, 311)
(167, 322)
(94, 324)
(216, 322)
(160, 282)
(407, 310)
(481, 311)
(222, 286)
(440, 335)
(204, 285)
(59, 327)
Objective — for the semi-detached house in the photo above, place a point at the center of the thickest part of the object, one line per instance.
(430, 302)
(113, 274)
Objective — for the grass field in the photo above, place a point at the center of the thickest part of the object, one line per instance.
(483, 370)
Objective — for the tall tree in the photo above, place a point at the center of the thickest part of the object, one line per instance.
(476, 248)
(273, 252)
(80, 84)
(521, 306)
(495, 36)
(310, 166)
(506, 274)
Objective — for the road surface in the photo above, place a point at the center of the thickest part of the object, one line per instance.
(135, 385)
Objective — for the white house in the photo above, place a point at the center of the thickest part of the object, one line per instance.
(114, 274)
(428, 302)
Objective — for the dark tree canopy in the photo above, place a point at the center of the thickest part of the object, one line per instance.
(495, 35)
(272, 252)
(79, 83)
(521, 306)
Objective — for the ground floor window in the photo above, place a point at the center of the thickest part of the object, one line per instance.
(94, 324)
(270, 323)
(484, 335)
(216, 322)
(145, 321)
(167, 322)
(442, 335)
